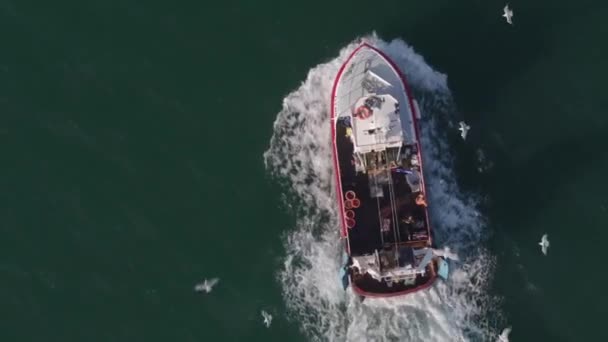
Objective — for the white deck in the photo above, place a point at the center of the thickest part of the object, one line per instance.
(369, 73)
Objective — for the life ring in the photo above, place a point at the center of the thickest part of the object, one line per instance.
(355, 203)
(350, 214)
(363, 112)
(350, 223)
(350, 195)
(348, 204)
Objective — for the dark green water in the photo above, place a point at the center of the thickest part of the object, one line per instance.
(132, 134)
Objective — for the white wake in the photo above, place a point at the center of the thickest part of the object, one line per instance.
(300, 158)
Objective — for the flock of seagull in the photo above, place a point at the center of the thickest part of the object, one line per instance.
(508, 15)
(207, 285)
(464, 130)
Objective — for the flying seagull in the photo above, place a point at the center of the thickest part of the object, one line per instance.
(267, 318)
(446, 253)
(206, 285)
(504, 336)
(508, 14)
(544, 243)
(464, 129)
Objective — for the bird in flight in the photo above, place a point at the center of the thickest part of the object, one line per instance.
(446, 253)
(267, 318)
(206, 285)
(544, 243)
(508, 14)
(464, 129)
(504, 336)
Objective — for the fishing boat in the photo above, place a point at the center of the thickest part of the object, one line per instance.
(381, 193)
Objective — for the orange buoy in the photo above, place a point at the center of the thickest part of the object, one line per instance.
(350, 223)
(350, 214)
(356, 203)
(350, 195)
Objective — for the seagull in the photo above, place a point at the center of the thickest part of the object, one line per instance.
(504, 336)
(544, 243)
(464, 129)
(446, 253)
(267, 318)
(508, 14)
(206, 285)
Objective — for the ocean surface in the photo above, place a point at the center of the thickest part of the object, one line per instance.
(147, 145)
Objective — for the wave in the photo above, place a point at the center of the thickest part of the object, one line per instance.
(299, 157)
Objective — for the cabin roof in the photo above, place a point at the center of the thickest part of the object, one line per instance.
(382, 129)
(368, 74)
